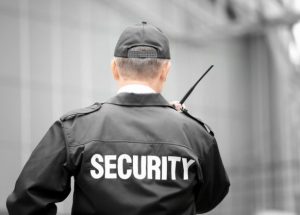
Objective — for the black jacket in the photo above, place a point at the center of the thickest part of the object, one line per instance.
(131, 155)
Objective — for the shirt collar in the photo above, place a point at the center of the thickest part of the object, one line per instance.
(136, 88)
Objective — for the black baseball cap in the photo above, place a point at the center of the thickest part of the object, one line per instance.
(142, 35)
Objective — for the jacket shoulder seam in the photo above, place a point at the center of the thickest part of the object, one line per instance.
(81, 112)
(199, 121)
(130, 141)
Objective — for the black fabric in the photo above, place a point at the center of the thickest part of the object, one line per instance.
(143, 34)
(132, 99)
(142, 54)
(45, 179)
(141, 126)
(82, 111)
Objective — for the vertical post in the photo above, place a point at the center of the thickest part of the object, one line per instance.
(85, 53)
(56, 55)
(25, 80)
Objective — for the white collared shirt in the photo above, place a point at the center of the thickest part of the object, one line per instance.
(136, 88)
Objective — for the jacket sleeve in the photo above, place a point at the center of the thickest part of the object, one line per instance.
(44, 179)
(215, 184)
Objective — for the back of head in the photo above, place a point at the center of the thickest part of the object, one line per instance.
(141, 52)
(140, 68)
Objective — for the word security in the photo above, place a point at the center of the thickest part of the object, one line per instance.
(140, 167)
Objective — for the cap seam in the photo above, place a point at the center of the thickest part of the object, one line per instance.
(143, 36)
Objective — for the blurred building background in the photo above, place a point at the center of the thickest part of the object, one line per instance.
(55, 56)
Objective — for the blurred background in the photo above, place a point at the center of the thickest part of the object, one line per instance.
(55, 56)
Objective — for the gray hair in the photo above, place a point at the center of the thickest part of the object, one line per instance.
(140, 68)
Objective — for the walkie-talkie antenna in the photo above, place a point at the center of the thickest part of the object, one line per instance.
(193, 87)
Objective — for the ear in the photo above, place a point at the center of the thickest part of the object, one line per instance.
(165, 71)
(114, 70)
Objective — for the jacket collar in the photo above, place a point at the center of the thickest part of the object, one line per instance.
(133, 99)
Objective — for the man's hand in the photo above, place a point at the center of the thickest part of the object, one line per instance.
(179, 107)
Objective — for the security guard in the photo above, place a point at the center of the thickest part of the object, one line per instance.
(134, 154)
